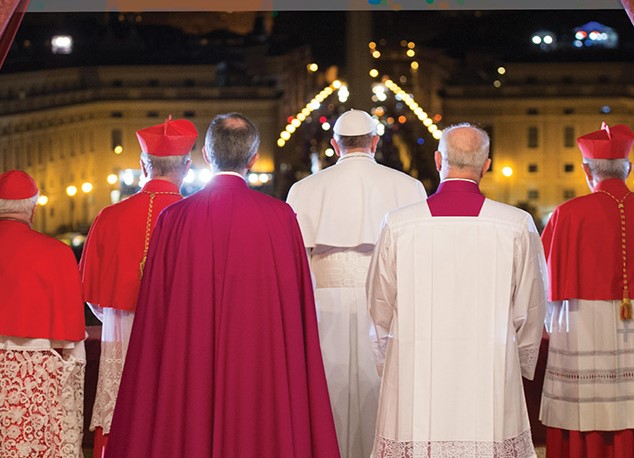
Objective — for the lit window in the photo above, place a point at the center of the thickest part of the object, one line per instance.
(533, 137)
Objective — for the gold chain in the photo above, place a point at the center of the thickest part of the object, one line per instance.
(148, 226)
(626, 305)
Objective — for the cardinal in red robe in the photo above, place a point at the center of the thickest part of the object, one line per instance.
(224, 357)
(588, 393)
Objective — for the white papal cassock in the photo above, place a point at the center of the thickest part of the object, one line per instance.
(463, 299)
(339, 211)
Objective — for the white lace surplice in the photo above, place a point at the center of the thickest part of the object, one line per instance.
(115, 337)
(346, 344)
(589, 381)
(465, 326)
(41, 398)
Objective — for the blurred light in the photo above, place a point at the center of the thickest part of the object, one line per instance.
(427, 122)
(403, 43)
(410, 53)
(205, 176)
(605, 109)
(374, 73)
(548, 39)
(329, 152)
(372, 45)
(390, 120)
(112, 178)
(86, 187)
(281, 142)
(296, 122)
(300, 117)
(420, 140)
(437, 134)
(285, 135)
(403, 79)
(325, 126)
(433, 128)
(190, 177)
(71, 190)
(312, 67)
(323, 119)
(507, 171)
(253, 178)
(62, 44)
(315, 105)
(497, 83)
(263, 177)
(290, 128)
(336, 84)
(501, 70)
(376, 54)
(411, 45)
(118, 149)
(128, 178)
(42, 200)
(289, 119)
(578, 43)
(380, 129)
(437, 117)
(402, 119)
(414, 65)
(536, 39)
(580, 35)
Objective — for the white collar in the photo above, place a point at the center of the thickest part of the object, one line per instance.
(228, 172)
(356, 155)
(458, 179)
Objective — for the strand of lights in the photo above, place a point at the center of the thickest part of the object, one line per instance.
(296, 121)
(418, 111)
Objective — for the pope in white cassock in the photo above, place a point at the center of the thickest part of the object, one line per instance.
(340, 210)
(457, 285)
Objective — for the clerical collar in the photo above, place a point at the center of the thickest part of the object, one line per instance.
(459, 179)
(353, 155)
(8, 218)
(228, 172)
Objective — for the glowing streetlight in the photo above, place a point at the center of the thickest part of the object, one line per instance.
(118, 149)
(507, 171)
(312, 67)
(112, 178)
(71, 190)
(86, 187)
(42, 200)
(374, 73)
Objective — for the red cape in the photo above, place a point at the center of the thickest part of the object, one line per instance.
(41, 290)
(224, 357)
(582, 242)
(114, 248)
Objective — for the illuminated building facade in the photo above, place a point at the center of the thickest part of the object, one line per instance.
(73, 129)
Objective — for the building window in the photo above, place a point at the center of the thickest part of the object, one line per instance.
(532, 111)
(569, 136)
(532, 168)
(117, 83)
(40, 152)
(189, 114)
(569, 168)
(152, 114)
(153, 83)
(189, 83)
(567, 80)
(533, 137)
(116, 114)
(569, 194)
(533, 194)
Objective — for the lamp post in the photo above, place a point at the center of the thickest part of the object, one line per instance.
(86, 188)
(507, 172)
(42, 201)
(71, 191)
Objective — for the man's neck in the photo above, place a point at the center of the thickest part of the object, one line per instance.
(20, 217)
(175, 181)
(356, 150)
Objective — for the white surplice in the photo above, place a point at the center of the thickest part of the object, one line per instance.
(115, 337)
(589, 381)
(463, 300)
(41, 397)
(339, 211)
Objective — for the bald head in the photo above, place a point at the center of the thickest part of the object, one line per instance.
(463, 152)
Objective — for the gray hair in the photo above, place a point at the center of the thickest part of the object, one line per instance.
(347, 142)
(162, 166)
(604, 169)
(19, 205)
(465, 152)
(231, 142)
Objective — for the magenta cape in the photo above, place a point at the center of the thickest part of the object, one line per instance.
(224, 357)
(582, 242)
(456, 198)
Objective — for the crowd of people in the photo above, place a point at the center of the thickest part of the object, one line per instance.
(359, 319)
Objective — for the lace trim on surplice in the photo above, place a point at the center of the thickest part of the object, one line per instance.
(41, 404)
(517, 447)
(111, 365)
